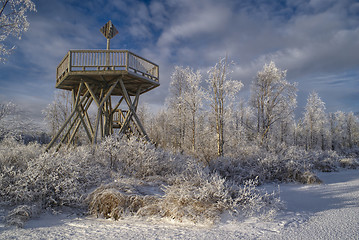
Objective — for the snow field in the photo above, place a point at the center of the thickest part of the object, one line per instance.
(156, 194)
(326, 211)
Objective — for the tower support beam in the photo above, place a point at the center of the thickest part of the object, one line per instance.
(87, 93)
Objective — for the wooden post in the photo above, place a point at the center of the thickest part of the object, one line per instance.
(127, 56)
(132, 109)
(99, 113)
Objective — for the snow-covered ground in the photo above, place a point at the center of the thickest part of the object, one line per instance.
(326, 211)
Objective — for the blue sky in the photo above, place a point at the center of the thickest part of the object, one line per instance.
(316, 41)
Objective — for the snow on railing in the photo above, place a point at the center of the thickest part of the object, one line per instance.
(106, 60)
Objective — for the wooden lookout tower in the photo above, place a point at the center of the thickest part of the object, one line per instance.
(113, 80)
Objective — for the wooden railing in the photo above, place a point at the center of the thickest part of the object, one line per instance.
(106, 60)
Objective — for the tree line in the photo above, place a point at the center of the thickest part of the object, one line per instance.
(205, 116)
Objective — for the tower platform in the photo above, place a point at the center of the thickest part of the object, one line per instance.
(105, 67)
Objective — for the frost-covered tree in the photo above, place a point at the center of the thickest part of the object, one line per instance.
(58, 111)
(193, 98)
(157, 127)
(352, 130)
(184, 103)
(273, 98)
(6, 109)
(178, 87)
(239, 128)
(221, 93)
(15, 121)
(13, 22)
(344, 130)
(315, 123)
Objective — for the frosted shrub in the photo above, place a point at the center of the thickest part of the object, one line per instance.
(324, 161)
(16, 154)
(350, 163)
(63, 178)
(198, 199)
(14, 160)
(351, 152)
(21, 214)
(135, 158)
(53, 179)
(235, 169)
(251, 200)
(135, 178)
(292, 164)
(205, 197)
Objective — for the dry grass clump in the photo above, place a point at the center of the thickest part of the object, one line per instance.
(308, 178)
(304, 177)
(116, 200)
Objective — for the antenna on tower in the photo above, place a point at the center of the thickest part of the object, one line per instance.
(109, 31)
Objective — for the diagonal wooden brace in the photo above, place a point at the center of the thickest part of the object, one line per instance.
(132, 107)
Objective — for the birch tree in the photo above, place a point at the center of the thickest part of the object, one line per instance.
(58, 111)
(273, 98)
(315, 122)
(221, 92)
(344, 130)
(13, 22)
(185, 100)
(193, 98)
(6, 109)
(178, 87)
(15, 121)
(352, 130)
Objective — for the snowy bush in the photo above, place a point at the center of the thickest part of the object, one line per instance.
(291, 164)
(130, 177)
(63, 178)
(135, 158)
(351, 152)
(54, 179)
(205, 198)
(350, 163)
(202, 198)
(325, 161)
(14, 153)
